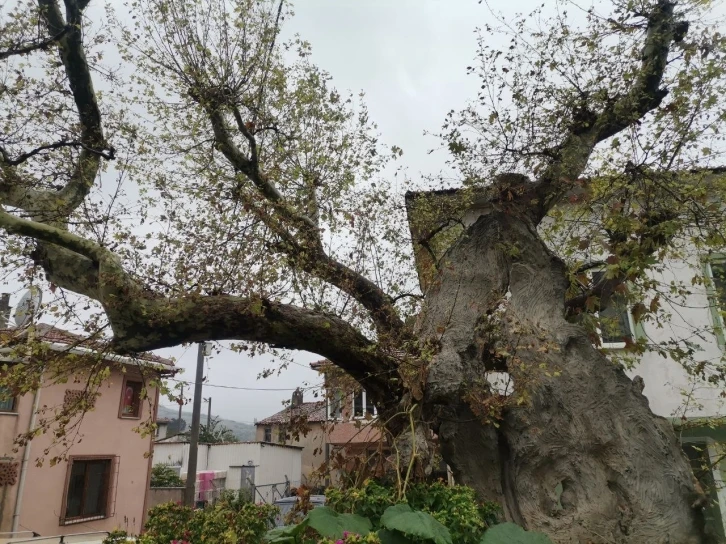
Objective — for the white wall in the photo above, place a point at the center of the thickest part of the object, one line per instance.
(273, 463)
(670, 390)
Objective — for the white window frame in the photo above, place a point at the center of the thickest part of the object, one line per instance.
(329, 405)
(631, 326)
(617, 345)
(713, 301)
(362, 392)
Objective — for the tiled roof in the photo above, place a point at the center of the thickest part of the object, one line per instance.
(320, 365)
(314, 411)
(49, 333)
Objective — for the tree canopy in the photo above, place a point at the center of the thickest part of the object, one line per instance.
(220, 187)
(182, 174)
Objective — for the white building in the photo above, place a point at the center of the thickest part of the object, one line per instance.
(267, 471)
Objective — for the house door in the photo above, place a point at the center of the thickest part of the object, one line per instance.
(247, 485)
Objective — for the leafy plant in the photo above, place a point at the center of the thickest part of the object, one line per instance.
(165, 476)
(329, 523)
(401, 518)
(401, 525)
(116, 536)
(353, 538)
(227, 522)
(455, 507)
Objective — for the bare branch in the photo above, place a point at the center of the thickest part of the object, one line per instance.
(35, 46)
(110, 155)
(308, 253)
(162, 322)
(79, 78)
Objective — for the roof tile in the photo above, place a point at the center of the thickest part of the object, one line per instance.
(315, 412)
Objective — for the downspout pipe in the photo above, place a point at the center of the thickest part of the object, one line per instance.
(24, 463)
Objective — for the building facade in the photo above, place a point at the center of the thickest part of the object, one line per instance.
(100, 481)
(266, 471)
(334, 433)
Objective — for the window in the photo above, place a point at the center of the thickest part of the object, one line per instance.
(616, 322)
(282, 434)
(131, 399)
(702, 463)
(716, 274)
(87, 494)
(335, 406)
(361, 406)
(268, 434)
(7, 400)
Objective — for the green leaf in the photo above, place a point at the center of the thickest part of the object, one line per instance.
(511, 533)
(287, 534)
(415, 523)
(328, 523)
(392, 537)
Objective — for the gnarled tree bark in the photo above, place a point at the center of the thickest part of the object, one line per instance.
(583, 426)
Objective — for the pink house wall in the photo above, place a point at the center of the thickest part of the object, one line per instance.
(102, 432)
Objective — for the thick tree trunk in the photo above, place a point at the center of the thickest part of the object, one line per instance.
(576, 453)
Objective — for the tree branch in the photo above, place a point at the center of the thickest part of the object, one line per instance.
(589, 128)
(143, 321)
(56, 145)
(47, 233)
(24, 50)
(160, 322)
(308, 254)
(79, 78)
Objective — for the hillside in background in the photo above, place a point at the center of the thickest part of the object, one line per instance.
(245, 432)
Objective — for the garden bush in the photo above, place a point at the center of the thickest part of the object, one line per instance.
(455, 507)
(165, 476)
(399, 524)
(227, 522)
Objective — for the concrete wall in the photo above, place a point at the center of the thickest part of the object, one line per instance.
(272, 463)
(101, 433)
(669, 388)
(313, 453)
(162, 495)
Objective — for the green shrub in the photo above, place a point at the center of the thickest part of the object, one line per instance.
(226, 522)
(116, 536)
(400, 524)
(165, 476)
(455, 507)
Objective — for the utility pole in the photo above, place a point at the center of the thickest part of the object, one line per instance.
(181, 403)
(209, 413)
(194, 434)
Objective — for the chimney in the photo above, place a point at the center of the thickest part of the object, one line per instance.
(4, 310)
(297, 398)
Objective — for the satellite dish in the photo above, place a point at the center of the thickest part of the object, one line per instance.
(28, 306)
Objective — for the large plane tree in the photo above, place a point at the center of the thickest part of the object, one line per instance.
(185, 175)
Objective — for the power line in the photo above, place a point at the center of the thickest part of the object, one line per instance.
(247, 388)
